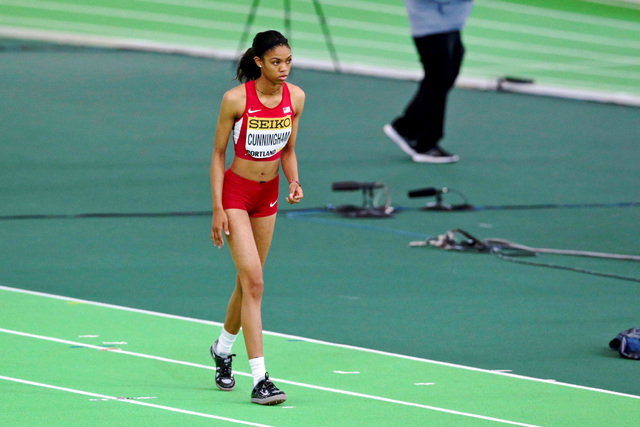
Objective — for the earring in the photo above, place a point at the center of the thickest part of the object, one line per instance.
(259, 66)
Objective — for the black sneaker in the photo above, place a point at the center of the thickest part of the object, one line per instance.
(435, 155)
(266, 393)
(224, 376)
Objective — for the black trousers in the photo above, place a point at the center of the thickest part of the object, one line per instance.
(423, 119)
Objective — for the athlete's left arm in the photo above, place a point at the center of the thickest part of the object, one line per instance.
(288, 158)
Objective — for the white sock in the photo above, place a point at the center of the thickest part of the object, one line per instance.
(257, 369)
(225, 342)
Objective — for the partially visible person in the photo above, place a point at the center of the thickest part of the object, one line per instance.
(435, 28)
(263, 115)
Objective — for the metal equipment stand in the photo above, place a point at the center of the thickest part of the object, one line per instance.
(287, 26)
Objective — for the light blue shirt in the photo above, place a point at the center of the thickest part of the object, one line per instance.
(437, 16)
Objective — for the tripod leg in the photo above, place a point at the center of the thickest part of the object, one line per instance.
(287, 19)
(327, 35)
(247, 27)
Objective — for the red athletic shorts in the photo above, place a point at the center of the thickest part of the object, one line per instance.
(257, 198)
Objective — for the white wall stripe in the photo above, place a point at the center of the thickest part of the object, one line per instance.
(629, 4)
(559, 15)
(553, 33)
(396, 70)
(580, 37)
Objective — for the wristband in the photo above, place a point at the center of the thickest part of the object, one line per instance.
(297, 182)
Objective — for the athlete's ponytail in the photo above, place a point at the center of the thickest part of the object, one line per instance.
(247, 68)
(262, 43)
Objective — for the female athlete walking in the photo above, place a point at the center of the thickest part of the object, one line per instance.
(263, 114)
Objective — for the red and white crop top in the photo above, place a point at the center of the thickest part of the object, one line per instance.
(261, 133)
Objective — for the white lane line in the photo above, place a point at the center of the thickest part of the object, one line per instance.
(133, 402)
(310, 386)
(308, 340)
(113, 350)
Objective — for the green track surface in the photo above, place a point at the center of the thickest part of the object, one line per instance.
(141, 359)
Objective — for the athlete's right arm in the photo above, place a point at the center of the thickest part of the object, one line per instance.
(231, 107)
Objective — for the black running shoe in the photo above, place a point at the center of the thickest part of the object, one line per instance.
(266, 393)
(435, 155)
(224, 376)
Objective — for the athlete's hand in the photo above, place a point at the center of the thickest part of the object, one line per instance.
(295, 193)
(219, 224)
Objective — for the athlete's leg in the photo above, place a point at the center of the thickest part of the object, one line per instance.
(233, 321)
(249, 241)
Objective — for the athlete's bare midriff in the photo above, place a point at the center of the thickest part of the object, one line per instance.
(256, 171)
